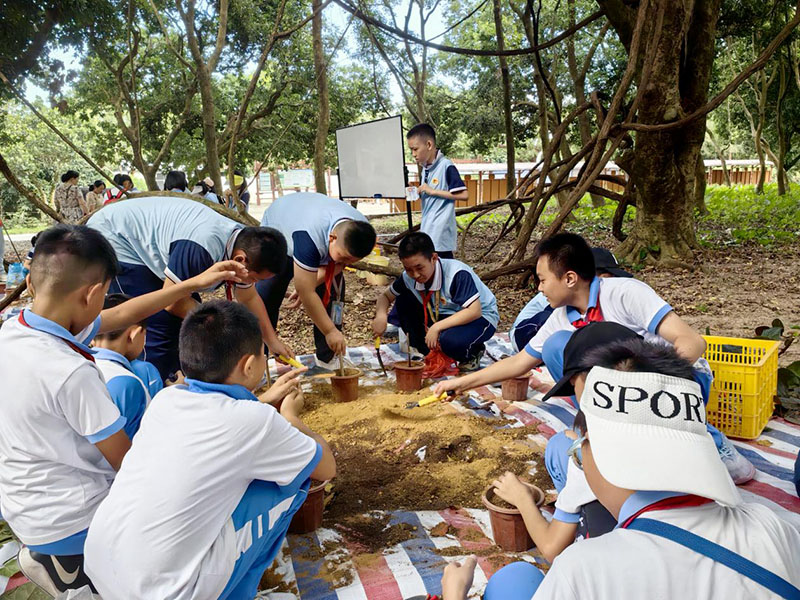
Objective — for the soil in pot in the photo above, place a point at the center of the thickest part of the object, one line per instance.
(345, 387)
(508, 527)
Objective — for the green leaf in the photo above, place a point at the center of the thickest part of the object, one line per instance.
(771, 333)
(795, 368)
(27, 591)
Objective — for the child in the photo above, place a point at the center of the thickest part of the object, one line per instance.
(536, 312)
(61, 436)
(123, 183)
(566, 274)
(441, 187)
(114, 353)
(323, 235)
(205, 496)
(161, 241)
(441, 303)
(683, 530)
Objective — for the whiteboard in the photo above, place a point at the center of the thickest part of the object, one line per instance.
(371, 161)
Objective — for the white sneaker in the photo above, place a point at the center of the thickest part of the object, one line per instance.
(739, 468)
(333, 364)
(54, 574)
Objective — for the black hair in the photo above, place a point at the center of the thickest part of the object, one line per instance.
(69, 175)
(175, 180)
(214, 337)
(112, 301)
(416, 243)
(265, 248)
(358, 237)
(580, 422)
(96, 184)
(121, 178)
(204, 189)
(639, 356)
(568, 252)
(422, 130)
(69, 256)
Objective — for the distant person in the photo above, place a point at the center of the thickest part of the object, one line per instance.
(240, 183)
(175, 182)
(441, 187)
(123, 184)
(207, 190)
(96, 195)
(69, 199)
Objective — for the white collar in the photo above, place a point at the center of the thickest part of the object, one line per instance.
(437, 279)
(231, 243)
(435, 160)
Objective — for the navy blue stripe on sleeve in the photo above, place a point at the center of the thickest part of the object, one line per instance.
(463, 288)
(305, 252)
(186, 260)
(453, 180)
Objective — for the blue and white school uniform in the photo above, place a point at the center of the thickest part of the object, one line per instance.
(439, 214)
(204, 497)
(126, 389)
(148, 373)
(529, 320)
(453, 287)
(54, 410)
(162, 237)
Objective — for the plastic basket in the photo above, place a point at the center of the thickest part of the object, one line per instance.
(745, 382)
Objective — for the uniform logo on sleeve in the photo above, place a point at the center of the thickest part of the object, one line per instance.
(434, 181)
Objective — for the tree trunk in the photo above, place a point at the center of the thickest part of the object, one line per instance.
(700, 187)
(783, 180)
(324, 112)
(209, 126)
(664, 163)
(149, 174)
(721, 156)
(511, 180)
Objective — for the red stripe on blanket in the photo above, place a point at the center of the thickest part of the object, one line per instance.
(377, 579)
(771, 450)
(783, 421)
(16, 580)
(778, 496)
(526, 418)
(471, 537)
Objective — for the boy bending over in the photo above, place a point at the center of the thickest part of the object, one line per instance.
(61, 436)
(205, 497)
(441, 303)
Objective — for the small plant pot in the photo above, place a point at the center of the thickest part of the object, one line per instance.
(345, 387)
(409, 377)
(309, 517)
(508, 528)
(516, 388)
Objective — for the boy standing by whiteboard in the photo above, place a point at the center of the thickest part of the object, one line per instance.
(441, 187)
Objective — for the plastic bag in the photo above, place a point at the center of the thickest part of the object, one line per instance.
(438, 365)
(16, 275)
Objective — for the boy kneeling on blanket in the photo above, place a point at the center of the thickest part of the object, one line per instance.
(205, 496)
(683, 530)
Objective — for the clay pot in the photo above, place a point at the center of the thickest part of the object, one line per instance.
(345, 387)
(409, 377)
(309, 517)
(508, 528)
(516, 388)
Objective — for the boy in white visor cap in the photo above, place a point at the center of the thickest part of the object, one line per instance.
(683, 530)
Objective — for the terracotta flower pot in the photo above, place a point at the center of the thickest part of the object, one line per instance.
(409, 378)
(309, 517)
(345, 387)
(508, 528)
(516, 388)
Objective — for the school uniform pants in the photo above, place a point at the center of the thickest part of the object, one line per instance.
(527, 328)
(553, 358)
(272, 292)
(459, 343)
(261, 520)
(163, 328)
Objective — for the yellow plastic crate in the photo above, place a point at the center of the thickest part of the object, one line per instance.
(745, 383)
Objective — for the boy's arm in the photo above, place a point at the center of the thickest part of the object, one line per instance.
(305, 282)
(688, 343)
(291, 408)
(513, 366)
(139, 308)
(462, 317)
(250, 298)
(385, 301)
(114, 448)
(446, 194)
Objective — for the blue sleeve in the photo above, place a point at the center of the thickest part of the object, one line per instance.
(305, 252)
(186, 260)
(148, 373)
(453, 179)
(463, 290)
(398, 286)
(128, 394)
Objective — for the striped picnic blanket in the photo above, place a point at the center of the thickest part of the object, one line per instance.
(309, 567)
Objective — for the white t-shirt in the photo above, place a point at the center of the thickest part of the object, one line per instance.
(165, 529)
(622, 300)
(53, 410)
(627, 564)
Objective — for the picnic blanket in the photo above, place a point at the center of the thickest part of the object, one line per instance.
(326, 566)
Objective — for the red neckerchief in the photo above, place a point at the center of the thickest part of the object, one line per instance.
(668, 504)
(426, 309)
(593, 315)
(329, 275)
(80, 351)
(229, 291)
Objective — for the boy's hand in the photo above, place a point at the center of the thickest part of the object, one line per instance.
(510, 488)
(283, 386)
(425, 189)
(432, 337)
(228, 270)
(379, 324)
(336, 342)
(278, 347)
(293, 404)
(457, 579)
(450, 385)
(293, 300)
(179, 379)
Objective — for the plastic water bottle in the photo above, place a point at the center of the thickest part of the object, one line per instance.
(16, 275)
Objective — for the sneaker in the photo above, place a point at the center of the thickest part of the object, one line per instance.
(739, 468)
(53, 574)
(471, 364)
(332, 364)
